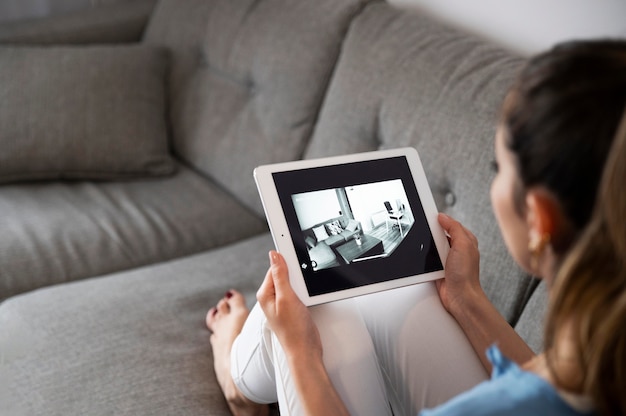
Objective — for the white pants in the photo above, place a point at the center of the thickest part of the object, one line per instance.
(396, 351)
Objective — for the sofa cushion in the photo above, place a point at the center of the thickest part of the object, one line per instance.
(320, 232)
(128, 344)
(246, 89)
(405, 80)
(352, 225)
(334, 227)
(58, 232)
(105, 23)
(533, 317)
(93, 112)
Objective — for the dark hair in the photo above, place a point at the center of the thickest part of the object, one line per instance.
(561, 116)
(563, 126)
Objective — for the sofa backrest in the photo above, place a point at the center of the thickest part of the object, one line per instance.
(248, 79)
(404, 80)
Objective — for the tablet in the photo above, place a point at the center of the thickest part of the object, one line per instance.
(355, 224)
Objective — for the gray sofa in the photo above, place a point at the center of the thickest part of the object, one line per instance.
(110, 260)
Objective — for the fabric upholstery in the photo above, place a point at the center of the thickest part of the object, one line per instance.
(404, 80)
(127, 344)
(530, 323)
(247, 90)
(83, 113)
(114, 23)
(59, 232)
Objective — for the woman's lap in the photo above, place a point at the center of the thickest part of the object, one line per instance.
(398, 347)
(424, 355)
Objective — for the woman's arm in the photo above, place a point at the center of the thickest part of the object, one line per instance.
(464, 298)
(292, 324)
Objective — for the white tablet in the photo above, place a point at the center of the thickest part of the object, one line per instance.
(352, 225)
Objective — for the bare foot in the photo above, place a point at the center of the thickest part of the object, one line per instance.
(225, 321)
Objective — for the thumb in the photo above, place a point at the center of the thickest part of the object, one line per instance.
(280, 273)
(445, 221)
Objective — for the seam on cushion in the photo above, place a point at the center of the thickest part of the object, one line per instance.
(531, 288)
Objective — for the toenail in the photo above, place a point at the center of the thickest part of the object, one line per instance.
(229, 294)
(213, 311)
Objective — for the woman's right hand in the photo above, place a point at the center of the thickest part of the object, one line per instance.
(287, 316)
(293, 325)
(461, 284)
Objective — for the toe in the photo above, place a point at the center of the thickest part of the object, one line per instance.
(235, 299)
(223, 307)
(210, 317)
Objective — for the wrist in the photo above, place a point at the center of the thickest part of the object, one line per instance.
(470, 307)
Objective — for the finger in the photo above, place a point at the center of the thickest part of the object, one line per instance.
(444, 220)
(450, 225)
(455, 229)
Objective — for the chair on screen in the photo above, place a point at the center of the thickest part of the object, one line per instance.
(393, 217)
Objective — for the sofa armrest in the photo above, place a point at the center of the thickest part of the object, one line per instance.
(117, 23)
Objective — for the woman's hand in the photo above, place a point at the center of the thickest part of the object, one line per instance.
(462, 296)
(287, 316)
(293, 325)
(461, 284)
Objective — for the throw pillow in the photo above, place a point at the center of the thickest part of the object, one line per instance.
(352, 225)
(83, 112)
(320, 233)
(334, 227)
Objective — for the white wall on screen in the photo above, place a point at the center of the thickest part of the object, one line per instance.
(316, 207)
(368, 200)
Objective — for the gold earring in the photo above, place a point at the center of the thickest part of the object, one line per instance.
(536, 247)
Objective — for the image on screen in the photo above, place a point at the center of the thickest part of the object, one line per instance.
(350, 224)
(356, 224)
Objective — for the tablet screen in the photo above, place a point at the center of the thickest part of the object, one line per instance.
(356, 224)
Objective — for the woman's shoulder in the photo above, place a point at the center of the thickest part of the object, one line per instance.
(511, 391)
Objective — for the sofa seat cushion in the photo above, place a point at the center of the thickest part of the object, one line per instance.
(133, 343)
(58, 232)
(335, 240)
(405, 80)
(95, 112)
(347, 234)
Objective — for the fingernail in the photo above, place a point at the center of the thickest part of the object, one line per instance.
(228, 295)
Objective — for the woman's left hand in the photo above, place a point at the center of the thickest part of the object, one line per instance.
(287, 316)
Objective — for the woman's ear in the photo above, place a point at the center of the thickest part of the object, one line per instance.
(544, 216)
(542, 212)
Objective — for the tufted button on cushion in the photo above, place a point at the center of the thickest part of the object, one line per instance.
(450, 198)
(256, 97)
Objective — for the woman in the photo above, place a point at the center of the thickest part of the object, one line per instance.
(560, 203)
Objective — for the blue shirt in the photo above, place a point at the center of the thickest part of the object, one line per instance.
(511, 391)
